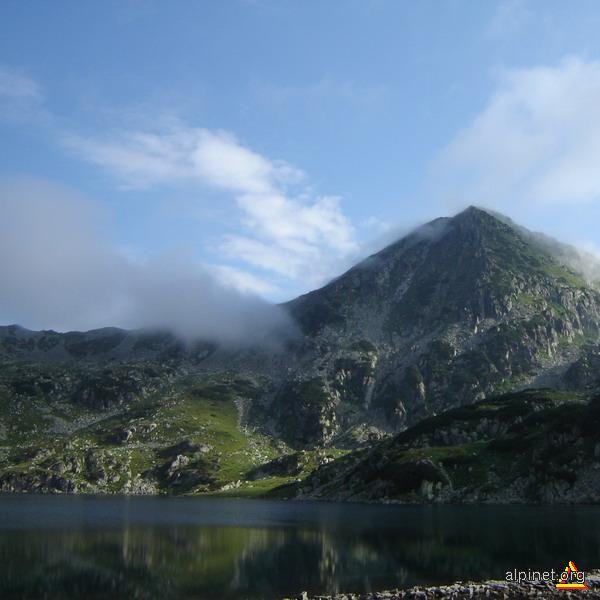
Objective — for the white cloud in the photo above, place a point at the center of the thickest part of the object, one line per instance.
(15, 85)
(243, 282)
(286, 229)
(60, 272)
(537, 140)
(20, 96)
(260, 255)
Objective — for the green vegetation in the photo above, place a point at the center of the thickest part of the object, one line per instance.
(533, 446)
(184, 437)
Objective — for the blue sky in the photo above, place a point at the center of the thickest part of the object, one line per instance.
(273, 143)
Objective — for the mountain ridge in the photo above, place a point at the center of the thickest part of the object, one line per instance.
(383, 342)
(460, 310)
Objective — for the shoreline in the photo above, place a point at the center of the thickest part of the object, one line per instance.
(304, 499)
(489, 589)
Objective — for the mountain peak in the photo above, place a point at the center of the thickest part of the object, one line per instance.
(478, 214)
(488, 231)
(473, 210)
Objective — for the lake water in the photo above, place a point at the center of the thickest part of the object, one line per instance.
(121, 547)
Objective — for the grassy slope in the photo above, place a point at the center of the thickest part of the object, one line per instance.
(40, 437)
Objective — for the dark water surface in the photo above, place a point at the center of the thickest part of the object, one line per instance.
(120, 547)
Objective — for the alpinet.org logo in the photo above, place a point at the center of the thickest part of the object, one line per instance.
(572, 578)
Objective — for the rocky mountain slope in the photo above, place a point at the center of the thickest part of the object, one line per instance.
(532, 446)
(460, 310)
(137, 427)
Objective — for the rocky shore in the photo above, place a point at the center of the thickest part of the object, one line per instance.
(487, 589)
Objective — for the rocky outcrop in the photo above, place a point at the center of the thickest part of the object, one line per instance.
(289, 465)
(584, 373)
(37, 482)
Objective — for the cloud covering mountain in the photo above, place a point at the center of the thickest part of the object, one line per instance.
(60, 271)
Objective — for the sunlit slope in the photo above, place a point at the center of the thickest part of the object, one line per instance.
(182, 434)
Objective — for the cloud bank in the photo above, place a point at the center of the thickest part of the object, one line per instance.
(58, 271)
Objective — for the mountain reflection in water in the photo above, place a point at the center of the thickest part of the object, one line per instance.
(86, 547)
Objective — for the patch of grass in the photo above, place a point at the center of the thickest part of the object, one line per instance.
(528, 300)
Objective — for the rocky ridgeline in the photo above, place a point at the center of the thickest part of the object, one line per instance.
(501, 590)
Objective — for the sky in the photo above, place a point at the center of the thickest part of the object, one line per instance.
(156, 157)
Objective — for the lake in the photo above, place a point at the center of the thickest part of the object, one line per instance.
(145, 547)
